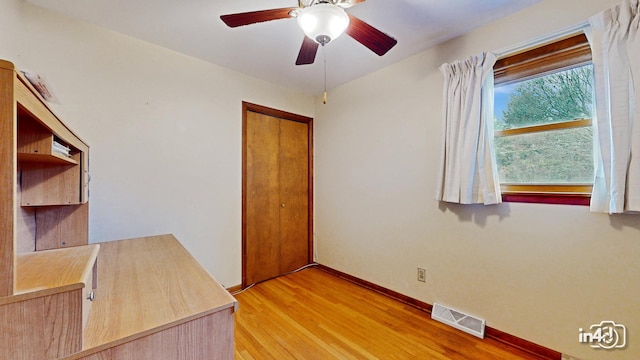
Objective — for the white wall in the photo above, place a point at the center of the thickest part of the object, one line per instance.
(165, 136)
(539, 272)
(164, 130)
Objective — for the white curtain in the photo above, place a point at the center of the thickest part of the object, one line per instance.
(616, 59)
(468, 172)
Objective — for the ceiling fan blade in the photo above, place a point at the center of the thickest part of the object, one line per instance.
(367, 35)
(308, 51)
(252, 17)
(349, 3)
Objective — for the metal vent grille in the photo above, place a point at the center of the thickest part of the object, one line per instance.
(458, 320)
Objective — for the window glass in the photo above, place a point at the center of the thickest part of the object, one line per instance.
(553, 154)
(561, 96)
(548, 157)
(543, 105)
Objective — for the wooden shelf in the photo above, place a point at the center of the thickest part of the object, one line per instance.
(35, 142)
(52, 158)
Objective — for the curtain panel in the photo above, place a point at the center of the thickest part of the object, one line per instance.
(616, 60)
(468, 172)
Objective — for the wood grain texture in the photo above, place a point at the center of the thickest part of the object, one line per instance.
(540, 352)
(571, 51)
(374, 39)
(426, 307)
(7, 65)
(284, 217)
(7, 180)
(252, 17)
(208, 337)
(315, 315)
(294, 195)
(154, 302)
(51, 183)
(86, 298)
(52, 269)
(47, 327)
(145, 286)
(62, 226)
(262, 200)
(308, 51)
(63, 324)
(32, 103)
(35, 142)
(33, 106)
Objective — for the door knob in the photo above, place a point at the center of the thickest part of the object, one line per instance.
(283, 205)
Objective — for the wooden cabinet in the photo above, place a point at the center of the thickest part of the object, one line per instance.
(61, 298)
(43, 179)
(155, 301)
(47, 315)
(46, 189)
(48, 177)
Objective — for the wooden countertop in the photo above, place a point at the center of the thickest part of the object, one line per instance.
(48, 272)
(146, 285)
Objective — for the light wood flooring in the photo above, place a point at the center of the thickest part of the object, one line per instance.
(315, 315)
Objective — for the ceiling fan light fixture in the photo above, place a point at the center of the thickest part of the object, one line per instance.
(323, 22)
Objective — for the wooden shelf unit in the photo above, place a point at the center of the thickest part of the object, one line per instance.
(43, 294)
(36, 142)
(32, 174)
(154, 300)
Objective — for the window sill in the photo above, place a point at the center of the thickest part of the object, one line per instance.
(548, 198)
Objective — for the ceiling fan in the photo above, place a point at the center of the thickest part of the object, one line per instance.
(322, 21)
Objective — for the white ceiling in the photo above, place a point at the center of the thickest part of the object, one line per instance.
(269, 50)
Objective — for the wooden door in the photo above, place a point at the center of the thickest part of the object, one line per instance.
(277, 188)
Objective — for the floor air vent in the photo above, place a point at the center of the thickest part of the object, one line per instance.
(458, 320)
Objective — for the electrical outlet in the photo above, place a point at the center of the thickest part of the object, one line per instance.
(422, 275)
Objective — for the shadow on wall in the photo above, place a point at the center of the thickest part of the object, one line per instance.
(620, 221)
(476, 213)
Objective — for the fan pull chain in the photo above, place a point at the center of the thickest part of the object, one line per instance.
(324, 95)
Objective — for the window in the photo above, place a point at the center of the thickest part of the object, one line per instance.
(543, 128)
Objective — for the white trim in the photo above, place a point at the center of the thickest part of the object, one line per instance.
(572, 30)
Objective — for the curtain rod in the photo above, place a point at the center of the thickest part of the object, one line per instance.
(543, 39)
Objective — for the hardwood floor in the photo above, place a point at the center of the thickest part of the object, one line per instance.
(315, 315)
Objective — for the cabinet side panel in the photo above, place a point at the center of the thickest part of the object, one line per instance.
(22, 329)
(7, 182)
(63, 324)
(83, 157)
(216, 328)
(48, 327)
(208, 337)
